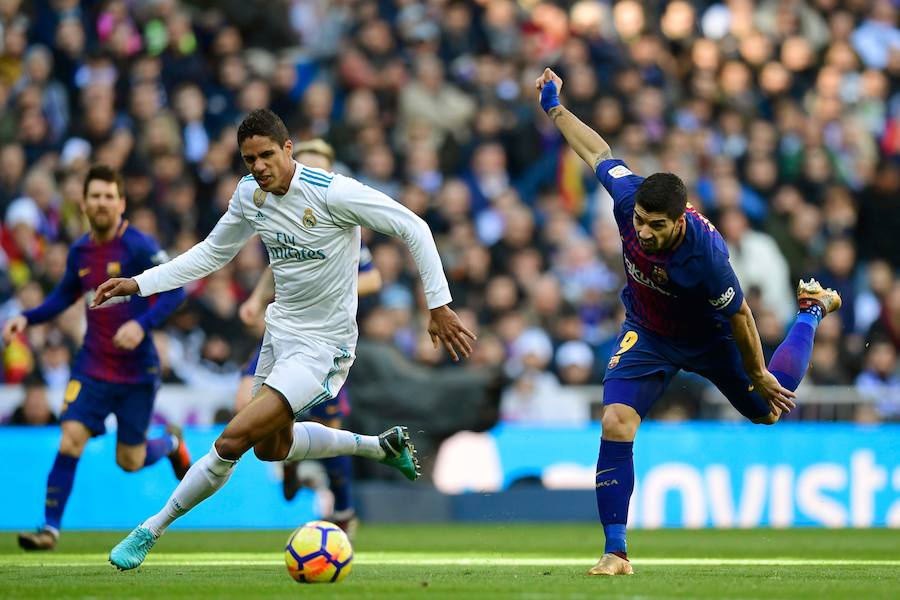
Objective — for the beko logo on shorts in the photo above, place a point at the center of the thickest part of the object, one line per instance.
(723, 300)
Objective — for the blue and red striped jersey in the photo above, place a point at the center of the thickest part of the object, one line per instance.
(89, 264)
(685, 293)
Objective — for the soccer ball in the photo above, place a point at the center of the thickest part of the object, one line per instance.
(318, 552)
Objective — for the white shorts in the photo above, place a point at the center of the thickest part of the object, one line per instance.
(304, 372)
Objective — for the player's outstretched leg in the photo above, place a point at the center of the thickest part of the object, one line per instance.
(393, 447)
(59, 485)
(791, 358)
(266, 415)
(201, 481)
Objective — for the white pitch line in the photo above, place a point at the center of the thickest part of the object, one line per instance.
(436, 560)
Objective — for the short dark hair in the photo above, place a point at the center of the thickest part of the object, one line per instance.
(662, 193)
(265, 123)
(104, 173)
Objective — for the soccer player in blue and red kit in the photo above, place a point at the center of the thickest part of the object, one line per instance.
(117, 368)
(684, 309)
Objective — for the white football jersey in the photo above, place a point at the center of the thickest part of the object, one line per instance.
(312, 236)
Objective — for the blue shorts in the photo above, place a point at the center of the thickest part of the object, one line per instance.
(331, 408)
(649, 361)
(250, 369)
(89, 401)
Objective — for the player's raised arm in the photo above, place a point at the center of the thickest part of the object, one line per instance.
(352, 203)
(220, 246)
(586, 142)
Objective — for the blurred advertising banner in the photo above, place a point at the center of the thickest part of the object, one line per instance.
(105, 497)
(688, 475)
(702, 474)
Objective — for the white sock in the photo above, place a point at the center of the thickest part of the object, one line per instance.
(314, 440)
(202, 480)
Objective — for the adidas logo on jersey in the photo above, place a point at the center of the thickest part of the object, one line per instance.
(259, 216)
(723, 300)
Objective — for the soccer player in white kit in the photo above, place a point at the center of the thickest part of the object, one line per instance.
(309, 220)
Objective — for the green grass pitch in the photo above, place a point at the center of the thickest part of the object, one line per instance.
(473, 561)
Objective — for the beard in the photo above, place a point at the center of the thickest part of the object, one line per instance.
(672, 239)
(101, 223)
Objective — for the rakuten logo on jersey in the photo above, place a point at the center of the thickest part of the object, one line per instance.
(642, 279)
(723, 300)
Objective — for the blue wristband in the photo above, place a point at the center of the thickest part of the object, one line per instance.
(549, 96)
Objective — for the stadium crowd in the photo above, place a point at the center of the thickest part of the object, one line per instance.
(782, 116)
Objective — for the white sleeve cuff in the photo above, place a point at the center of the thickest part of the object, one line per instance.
(439, 298)
(145, 283)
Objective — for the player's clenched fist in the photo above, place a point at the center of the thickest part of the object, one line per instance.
(251, 311)
(117, 286)
(129, 336)
(546, 77)
(445, 327)
(13, 327)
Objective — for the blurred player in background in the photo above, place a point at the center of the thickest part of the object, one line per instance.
(684, 309)
(317, 154)
(117, 369)
(309, 219)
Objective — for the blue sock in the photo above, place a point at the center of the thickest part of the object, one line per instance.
(615, 483)
(59, 486)
(159, 447)
(340, 474)
(791, 358)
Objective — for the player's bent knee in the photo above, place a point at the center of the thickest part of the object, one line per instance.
(270, 453)
(231, 447)
(71, 447)
(130, 464)
(74, 438)
(769, 419)
(620, 422)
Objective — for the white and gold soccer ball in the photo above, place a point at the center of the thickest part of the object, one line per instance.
(318, 552)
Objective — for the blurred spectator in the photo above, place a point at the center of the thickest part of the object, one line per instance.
(880, 381)
(839, 274)
(432, 100)
(574, 363)
(887, 326)
(879, 216)
(758, 264)
(878, 282)
(878, 36)
(535, 396)
(35, 409)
